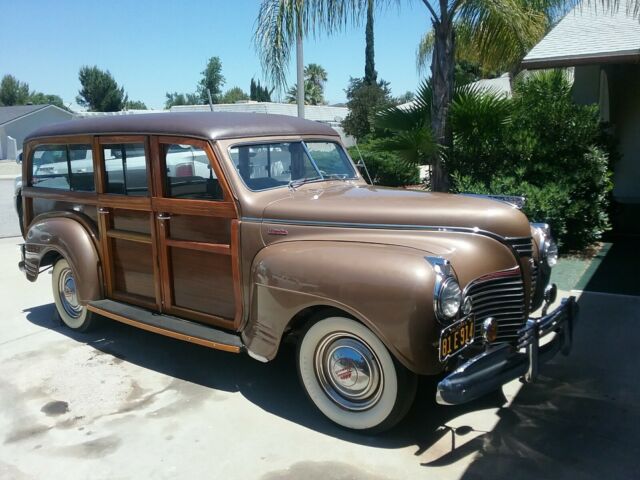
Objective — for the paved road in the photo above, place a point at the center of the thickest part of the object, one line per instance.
(123, 403)
(8, 218)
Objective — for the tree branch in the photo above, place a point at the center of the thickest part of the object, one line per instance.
(434, 16)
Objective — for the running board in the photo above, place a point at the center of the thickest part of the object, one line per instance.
(166, 325)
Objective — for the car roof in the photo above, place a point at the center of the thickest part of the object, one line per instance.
(206, 125)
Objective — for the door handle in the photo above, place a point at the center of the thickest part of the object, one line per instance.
(103, 211)
(163, 216)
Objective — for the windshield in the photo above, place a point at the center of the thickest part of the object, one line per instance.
(270, 165)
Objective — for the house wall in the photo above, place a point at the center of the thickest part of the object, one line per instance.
(624, 94)
(23, 126)
(586, 84)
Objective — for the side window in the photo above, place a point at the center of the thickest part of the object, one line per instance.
(126, 169)
(189, 174)
(50, 168)
(81, 168)
(63, 167)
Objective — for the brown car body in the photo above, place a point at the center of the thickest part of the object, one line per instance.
(258, 264)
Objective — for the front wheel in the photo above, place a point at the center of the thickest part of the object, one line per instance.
(352, 378)
(72, 313)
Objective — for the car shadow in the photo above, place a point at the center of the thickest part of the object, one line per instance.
(580, 419)
(614, 269)
(273, 386)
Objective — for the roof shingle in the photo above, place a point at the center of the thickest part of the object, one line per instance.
(590, 33)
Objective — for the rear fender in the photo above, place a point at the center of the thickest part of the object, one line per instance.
(75, 238)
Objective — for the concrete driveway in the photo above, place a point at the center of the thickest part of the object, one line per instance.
(122, 403)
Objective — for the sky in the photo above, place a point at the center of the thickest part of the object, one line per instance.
(159, 46)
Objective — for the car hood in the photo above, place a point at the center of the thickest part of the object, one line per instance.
(378, 207)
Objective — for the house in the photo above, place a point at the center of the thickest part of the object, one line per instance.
(603, 46)
(18, 121)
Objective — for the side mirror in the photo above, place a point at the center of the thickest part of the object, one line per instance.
(19, 159)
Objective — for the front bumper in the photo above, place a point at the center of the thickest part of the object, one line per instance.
(498, 365)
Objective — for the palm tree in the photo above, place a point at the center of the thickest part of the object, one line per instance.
(498, 22)
(315, 77)
(280, 22)
(496, 44)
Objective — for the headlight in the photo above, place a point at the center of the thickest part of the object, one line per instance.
(449, 298)
(551, 252)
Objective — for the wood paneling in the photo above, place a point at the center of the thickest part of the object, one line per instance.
(133, 268)
(202, 282)
(200, 229)
(131, 221)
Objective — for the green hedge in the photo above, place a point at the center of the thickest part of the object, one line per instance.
(543, 146)
(385, 168)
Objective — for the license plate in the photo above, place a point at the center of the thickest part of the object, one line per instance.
(456, 337)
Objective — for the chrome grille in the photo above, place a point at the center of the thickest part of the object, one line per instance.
(522, 245)
(534, 281)
(499, 295)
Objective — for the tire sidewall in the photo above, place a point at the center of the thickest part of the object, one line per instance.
(369, 419)
(80, 323)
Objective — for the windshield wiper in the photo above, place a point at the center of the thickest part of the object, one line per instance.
(335, 176)
(293, 184)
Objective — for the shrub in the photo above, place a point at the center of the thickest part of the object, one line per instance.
(385, 168)
(547, 148)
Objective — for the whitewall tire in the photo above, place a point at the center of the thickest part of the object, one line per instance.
(73, 314)
(351, 377)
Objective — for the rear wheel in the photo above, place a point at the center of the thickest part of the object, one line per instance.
(73, 314)
(352, 378)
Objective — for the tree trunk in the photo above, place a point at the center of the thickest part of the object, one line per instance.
(442, 78)
(300, 74)
(370, 74)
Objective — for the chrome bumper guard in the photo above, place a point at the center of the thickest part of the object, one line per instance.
(498, 365)
(21, 262)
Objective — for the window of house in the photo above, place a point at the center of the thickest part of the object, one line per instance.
(189, 174)
(126, 169)
(63, 167)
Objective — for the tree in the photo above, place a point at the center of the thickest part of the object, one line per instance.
(370, 74)
(100, 92)
(212, 80)
(234, 95)
(281, 22)
(258, 92)
(175, 98)
(315, 77)
(135, 105)
(13, 91)
(365, 102)
(405, 97)
(39, 98)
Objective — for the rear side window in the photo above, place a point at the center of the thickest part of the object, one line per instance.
(63, 167)
(126, 169)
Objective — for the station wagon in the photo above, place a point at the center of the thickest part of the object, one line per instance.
(240, 231)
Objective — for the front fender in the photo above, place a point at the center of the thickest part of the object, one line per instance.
(388, 288)
(74, 238)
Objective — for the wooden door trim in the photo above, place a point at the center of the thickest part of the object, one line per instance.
(219, 248)
(124, 202)
(107, 202)
(87, 198)
(130, 236)
(205, 208)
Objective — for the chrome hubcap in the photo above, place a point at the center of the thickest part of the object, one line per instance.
(68, 295)
(348, 371)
